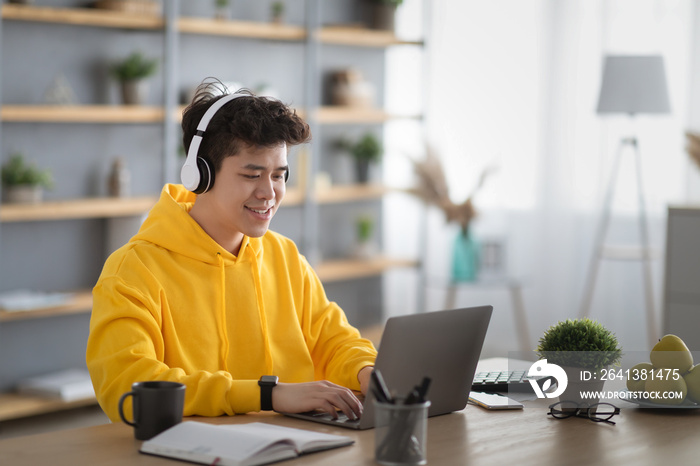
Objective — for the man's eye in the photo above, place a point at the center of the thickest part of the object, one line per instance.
(251, 177)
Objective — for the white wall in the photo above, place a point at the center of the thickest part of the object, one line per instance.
(515, 83)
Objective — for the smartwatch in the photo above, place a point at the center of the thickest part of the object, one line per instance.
(267, 383)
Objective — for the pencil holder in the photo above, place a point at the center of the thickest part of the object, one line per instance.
(400, 433)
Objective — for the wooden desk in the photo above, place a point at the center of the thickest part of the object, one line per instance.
(473, 436)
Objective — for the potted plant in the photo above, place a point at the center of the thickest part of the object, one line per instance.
(365, 248)
(366, 150)
(582, 347)
(23, 182)
(222, 9)
(277, 11)
(383, 14)
(131, 73)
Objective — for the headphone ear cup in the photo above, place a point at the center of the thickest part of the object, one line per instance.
(286, 175)
(206, 176)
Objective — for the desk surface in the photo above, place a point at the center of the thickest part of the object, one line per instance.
(473, 436)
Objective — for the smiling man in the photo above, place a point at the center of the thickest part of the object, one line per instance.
(207, 296)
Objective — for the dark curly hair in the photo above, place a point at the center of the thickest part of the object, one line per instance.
(246, 121)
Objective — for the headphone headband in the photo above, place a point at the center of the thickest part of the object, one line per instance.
(194, 179)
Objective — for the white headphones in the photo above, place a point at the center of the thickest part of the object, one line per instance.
(197, 174)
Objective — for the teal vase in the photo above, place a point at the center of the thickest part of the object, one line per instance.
(465, 258)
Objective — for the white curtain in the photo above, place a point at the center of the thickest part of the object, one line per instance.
(514, 84)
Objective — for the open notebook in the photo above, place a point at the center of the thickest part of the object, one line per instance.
(238, 445)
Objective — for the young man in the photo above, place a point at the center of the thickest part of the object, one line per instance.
(207, 296)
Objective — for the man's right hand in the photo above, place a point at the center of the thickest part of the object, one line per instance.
(309, 396)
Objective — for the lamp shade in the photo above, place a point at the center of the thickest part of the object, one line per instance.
(633, 84)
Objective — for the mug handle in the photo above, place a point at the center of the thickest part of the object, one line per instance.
(121, 408)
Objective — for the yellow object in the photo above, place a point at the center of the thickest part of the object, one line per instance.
(692, 380)
(638, 376)
(666, 390)
(172, 304)
(671, 352)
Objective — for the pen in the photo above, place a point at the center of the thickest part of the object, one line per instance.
(423, 389)
(379, 388)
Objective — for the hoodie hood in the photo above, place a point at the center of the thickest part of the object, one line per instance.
(170, 226)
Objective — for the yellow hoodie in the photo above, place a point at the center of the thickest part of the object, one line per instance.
(172, 304)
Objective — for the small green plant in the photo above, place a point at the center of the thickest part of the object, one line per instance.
(579, 343)
(365, 226)
(17, 172)
(366, 148)
(222, 3)
(135, 66)
(277, 9)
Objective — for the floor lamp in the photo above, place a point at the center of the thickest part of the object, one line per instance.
(631, 85)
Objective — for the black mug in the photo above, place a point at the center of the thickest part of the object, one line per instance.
(157, 406)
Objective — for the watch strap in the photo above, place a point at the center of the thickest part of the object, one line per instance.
(267, 383)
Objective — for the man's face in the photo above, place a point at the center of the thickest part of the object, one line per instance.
(247, 191)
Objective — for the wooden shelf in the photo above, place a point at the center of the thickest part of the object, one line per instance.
(247, 29)
(82, 17)
(102, 207)
(360, 37)
(333, 115)
(82, 113)
(337, 194)
(80, 304)
(16, 406)
(293, 197)
(349, 269)
(349, 193)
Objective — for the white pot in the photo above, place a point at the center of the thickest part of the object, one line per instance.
(23, 194)
(134, 91)
(577, 386)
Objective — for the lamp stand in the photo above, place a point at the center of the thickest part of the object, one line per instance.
(600, 251)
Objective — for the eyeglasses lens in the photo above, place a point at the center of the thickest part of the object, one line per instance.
(564, 409)
(602, 411)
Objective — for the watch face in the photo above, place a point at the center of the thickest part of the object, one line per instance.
(269, 380)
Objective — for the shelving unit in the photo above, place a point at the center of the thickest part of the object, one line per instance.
(175, 29)
(251, 30)
(79, 208)
(81, 114)
(81, 302)
(16, 406)
(81, 17)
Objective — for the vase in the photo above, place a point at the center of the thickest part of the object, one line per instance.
(23, 194)
(577, 385)
(465, 257)
(383, 17)
(362, 170)
(134, 91)
(222, 12)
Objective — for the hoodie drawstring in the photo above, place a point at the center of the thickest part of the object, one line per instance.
(261, 306)
(223, 334)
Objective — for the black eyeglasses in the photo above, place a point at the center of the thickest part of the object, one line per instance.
(597, 412)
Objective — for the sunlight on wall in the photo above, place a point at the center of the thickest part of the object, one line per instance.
(515, 83)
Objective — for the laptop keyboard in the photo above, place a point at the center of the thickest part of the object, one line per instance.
(503, 381)
(342, 418)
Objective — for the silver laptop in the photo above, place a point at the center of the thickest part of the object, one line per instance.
(442, 345)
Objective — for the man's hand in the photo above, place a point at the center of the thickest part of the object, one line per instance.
(308, 396)
(364, 377)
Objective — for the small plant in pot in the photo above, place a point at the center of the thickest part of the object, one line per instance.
(131, 74)
(277, 12)
(383, 14)
(582, 347)
(365, 248)
(222, 9)
(365, 151)
(23, 182)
